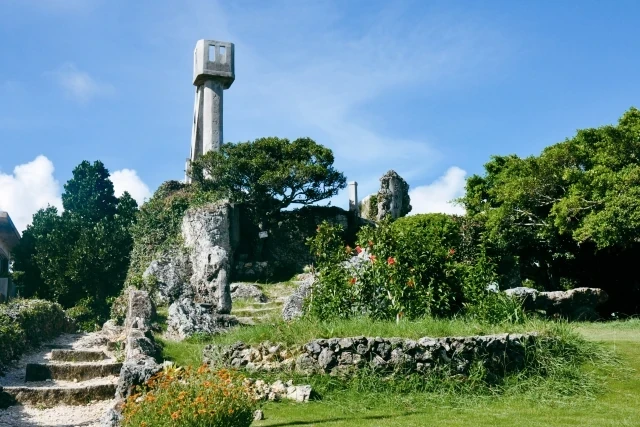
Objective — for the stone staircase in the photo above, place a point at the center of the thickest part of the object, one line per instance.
(254, 311)
(63, 375)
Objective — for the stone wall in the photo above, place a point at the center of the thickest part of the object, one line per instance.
(497, 353)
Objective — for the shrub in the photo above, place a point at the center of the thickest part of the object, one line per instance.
(417, 266)
(188, 397)
(25, 323)
(404, 269)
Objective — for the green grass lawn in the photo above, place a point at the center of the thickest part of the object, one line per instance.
(618, 403)
(614, 402)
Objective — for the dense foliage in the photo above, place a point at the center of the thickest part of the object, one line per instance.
(570, 216)
(269, 174)
(191, 398)
(80, 257)
(26, 323)
(415, 267)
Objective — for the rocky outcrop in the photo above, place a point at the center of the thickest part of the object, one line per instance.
(293, 307)
(498, 354)
(187, 317)
(206, 234)
(172, 271)
(393, 197)
(574, 304)
(195, 279)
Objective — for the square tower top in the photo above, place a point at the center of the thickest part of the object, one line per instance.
(213, 60)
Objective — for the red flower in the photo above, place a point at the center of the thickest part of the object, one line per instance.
(451, 252)
(352, 281)
(391, 260)
(373, 258)
(358, 249)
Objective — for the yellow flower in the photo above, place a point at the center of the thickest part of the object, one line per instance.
(175, 415)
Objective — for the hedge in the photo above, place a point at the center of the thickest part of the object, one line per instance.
(26, 323)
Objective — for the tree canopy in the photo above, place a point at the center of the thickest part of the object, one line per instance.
(573, 207)
(79, 257)
(269, 174)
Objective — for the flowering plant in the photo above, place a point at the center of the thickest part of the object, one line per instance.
(191, 397)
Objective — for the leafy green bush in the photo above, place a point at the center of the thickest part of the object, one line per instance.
(417, 266)
(25, 323)
(188, 397)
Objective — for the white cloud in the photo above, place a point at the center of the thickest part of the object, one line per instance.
(77, 84)
(128, 180)
(338, 83)
(437, 196)
(30, 188)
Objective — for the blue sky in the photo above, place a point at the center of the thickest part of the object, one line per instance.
(428, 88)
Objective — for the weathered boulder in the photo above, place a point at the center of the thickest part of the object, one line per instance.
(187, 317)
(136, 372)
(578, 303)
(294, 305)
(574, 304)
(206, 234)
(173, 271)
(528, 296)
(247, 291)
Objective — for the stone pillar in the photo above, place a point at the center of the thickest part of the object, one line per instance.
(213, 71)
(353, 197)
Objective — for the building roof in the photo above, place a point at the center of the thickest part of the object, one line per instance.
(8, 232)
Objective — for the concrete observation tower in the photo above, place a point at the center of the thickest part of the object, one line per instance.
(213, 72)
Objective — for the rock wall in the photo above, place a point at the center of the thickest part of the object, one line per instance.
(497, 353)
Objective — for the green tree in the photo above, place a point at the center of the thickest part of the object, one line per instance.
(79, 258)
(571, 213)
(269, 174)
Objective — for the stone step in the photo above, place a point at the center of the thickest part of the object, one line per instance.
(65, 355)
(70, 372)
(53, 396)
(248, 310)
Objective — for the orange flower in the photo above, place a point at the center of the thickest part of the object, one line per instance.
(391, 260)
(175, 415)
(358, 249)
(452, 251)
(373, 258)
(411, 283)
(352, 281)
(370, 243)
